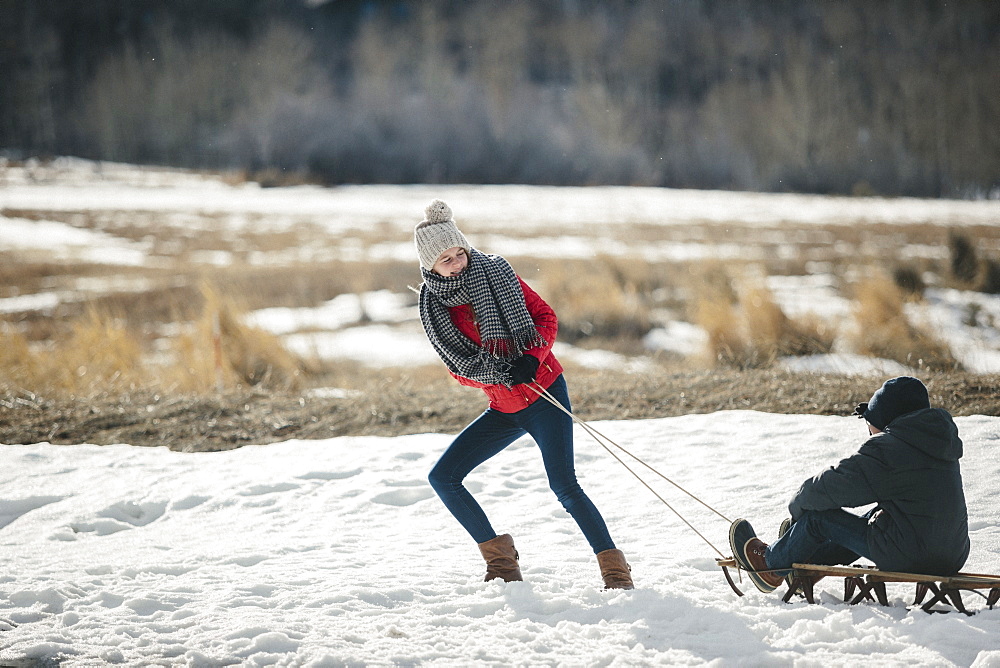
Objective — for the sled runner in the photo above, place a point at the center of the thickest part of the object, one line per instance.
(868, 583)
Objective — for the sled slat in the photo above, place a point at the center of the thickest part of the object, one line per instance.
(863, 583)
(869, 582)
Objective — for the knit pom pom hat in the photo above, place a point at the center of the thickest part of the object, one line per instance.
(436, 234)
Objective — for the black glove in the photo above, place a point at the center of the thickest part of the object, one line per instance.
(523, 369)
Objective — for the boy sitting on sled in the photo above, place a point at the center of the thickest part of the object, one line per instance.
(908, 467)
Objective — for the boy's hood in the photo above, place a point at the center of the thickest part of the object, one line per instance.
(930, 430)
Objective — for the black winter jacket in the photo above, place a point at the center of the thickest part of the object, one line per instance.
(911, 471)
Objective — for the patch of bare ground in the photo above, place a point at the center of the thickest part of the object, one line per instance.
(399, 403)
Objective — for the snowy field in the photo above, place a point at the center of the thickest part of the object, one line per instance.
(350, 326)
(337, 553)
(136, 218)
(71, 184)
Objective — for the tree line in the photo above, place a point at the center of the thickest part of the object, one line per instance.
(896, 97)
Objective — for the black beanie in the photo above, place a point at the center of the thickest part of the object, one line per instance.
(897, 396)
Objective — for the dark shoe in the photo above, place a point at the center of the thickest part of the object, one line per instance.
(748, 550)
(501, 559)
(615, 570)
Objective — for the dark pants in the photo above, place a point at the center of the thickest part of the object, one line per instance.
(825, 537)
(493, 431)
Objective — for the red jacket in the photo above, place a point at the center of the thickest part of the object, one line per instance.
(518, 397)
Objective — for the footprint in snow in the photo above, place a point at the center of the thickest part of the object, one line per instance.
(259, 490)
(246, 561)
(404, 483)
(136, 514)
(12, 509)
(329, 475)
(46, 600)
(188, 502)
(120, 517)
(404, 496)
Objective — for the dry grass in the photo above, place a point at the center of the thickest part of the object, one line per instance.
(98, 354)
(19, 367)
(604, 300)
(218, 351)
(720, 320)
(400, 402)
(747, 329)
(881, 328)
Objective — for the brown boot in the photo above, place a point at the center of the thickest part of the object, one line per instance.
(501, 559)
(615, 570)
(765, 579)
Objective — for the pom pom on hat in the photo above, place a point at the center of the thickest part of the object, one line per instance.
(436, 234)
(437, 212)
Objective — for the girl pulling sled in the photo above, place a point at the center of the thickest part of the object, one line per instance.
(495, 333)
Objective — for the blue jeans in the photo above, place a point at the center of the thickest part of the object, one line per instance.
(493, 431)
(825, 537)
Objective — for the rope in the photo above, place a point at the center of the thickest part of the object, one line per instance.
(598, 436)
(593, 431)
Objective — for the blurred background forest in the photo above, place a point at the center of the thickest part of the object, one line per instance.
(896, 97)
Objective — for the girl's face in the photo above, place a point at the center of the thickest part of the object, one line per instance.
(452, 262)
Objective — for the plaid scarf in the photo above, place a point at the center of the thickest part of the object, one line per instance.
(505, 326)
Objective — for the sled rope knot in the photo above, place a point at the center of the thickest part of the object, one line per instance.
(604, 442)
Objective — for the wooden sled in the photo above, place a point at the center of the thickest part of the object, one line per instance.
(863, 583)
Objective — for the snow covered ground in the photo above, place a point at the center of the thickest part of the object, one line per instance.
(337, 553)
(375, 222)
(562, 221)
(72, 184)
